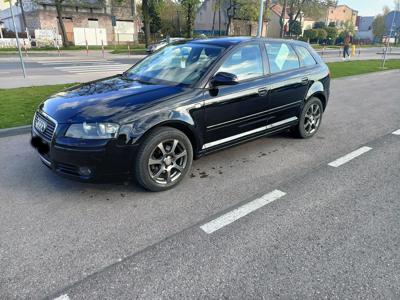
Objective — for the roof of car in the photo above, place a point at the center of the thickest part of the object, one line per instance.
(230, 41)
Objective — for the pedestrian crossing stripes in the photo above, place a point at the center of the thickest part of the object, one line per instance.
(87, 66)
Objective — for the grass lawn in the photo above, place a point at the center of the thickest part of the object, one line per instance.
(355, 67)
(17, 106)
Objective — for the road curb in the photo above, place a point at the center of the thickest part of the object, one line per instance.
(15, 131)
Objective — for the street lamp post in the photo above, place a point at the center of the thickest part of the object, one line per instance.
(388, 40)
(18, 45)
(260, 19)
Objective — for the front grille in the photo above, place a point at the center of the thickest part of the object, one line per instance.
(47, 134)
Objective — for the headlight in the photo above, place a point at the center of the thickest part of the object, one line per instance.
(93, 131)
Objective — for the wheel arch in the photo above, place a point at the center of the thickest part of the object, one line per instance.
(184, 127)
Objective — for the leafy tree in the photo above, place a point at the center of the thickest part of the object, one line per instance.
(295, 28)
(155, 8)
(321, 34)
(146, 21)
(189, 8)
(296, 9)
(310, 34)
(332, 33)
(378, 26)
(348, 27)
(332, 24)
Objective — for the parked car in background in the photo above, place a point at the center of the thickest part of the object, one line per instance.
(184, 101)
(157, 46)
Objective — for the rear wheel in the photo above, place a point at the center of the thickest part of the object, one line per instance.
(163, 160)
(310, 119)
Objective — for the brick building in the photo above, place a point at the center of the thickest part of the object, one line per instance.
(91, 14)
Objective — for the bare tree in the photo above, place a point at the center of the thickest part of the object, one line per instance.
(283, 17)
(58, 4)
(146, 21)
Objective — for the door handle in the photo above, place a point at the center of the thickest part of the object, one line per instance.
(304, 81)
(262, 91)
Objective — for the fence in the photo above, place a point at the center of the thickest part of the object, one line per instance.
(12, 43)
(90, 36)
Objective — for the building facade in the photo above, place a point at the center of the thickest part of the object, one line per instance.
(339, 15)
(42, 14)
(364, 25)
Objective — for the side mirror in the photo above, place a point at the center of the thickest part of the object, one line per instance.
(224, 78)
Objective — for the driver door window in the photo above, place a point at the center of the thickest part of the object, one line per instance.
(246, 63)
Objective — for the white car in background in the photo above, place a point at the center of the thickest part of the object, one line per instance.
(154, 47)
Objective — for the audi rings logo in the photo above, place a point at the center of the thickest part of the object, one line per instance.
(40, 125)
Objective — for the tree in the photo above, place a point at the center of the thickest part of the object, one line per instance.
(146, 21)
(189, 8)
(310, 34)
(321, 34)
(20, 4)
(295, 28)
(282, 18)
(332, 33)
(154, 14)
(378, 27)
(58, 4)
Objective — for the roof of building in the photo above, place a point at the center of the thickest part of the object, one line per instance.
(277, 8)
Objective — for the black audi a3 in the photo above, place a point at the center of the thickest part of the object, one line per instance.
(184, 101)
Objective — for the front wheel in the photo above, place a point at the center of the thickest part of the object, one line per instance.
(163, 159)
(310, 119)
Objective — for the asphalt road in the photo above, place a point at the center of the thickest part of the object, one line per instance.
(76, 66)
(333, 232)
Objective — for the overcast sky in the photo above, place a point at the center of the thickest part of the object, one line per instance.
(368, 7)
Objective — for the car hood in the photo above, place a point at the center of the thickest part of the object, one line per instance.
(108, 100)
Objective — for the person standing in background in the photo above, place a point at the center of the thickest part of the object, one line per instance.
(346, 47)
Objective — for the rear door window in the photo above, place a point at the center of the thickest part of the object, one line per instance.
(281, 57)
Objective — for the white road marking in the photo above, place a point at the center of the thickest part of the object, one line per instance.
(397, 132)
(241, 211)
(62, 297)
(101, 68)
(348, 157)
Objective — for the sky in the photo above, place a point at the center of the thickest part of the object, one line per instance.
(368, 7)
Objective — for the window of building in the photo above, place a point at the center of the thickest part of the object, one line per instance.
(246, 63)
(281, 57)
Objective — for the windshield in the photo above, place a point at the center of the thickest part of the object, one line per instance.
(176, 64)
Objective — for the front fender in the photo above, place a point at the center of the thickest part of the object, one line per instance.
(181, 118)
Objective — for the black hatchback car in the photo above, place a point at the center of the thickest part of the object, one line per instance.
(184, 101)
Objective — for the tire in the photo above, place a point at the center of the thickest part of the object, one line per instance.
(163, 159)
(310, 119)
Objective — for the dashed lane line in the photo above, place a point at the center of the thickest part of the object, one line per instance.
(62, 297)
(241, 211)
(348, 157)
(396, 132)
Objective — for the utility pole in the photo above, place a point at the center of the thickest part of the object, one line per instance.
(388, 40)
(18, 45)
(260, 19)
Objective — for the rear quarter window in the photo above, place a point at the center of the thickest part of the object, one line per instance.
(306, 59)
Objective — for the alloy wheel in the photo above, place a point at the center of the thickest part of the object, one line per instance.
(167, 161)
(312, 119)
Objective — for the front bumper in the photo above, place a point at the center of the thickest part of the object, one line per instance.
(85, 160)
